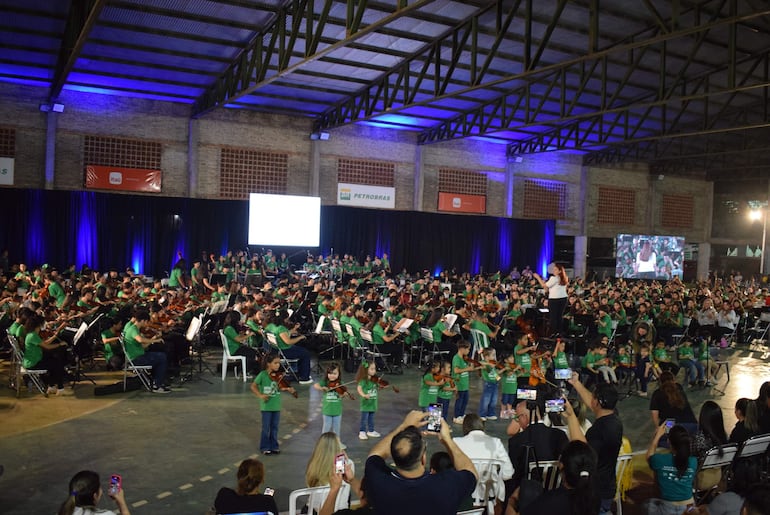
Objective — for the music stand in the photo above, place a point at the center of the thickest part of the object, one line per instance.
(79, 374)
(370, 305)
(192, 335)
(218, 279)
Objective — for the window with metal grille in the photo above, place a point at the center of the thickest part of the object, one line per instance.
(466, 182)
(361, 171)
(545, 199)
(243, 171)
(7, 142)
(616, 206)
(122, 152)
(677, 211)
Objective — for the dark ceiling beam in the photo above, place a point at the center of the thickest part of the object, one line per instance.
(249, 71)
(81, 18)
(175, 14)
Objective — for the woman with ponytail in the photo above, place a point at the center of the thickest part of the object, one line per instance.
(556, 289)
(85, 491)
(674, 472)
(246, 497)
(577, 493)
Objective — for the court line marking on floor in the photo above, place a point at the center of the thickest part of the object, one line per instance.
(186, 486)
(163, 495)
(205, 478)
(223, 471)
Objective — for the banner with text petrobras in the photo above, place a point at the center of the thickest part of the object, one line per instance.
(363, 195)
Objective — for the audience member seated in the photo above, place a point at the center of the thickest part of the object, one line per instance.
(441, 461)
(763, 408)
(757, 500)
(670, 402)
(674, 472)
(577, 493)
(476, 444)
(746, 473)
(546, 442)
(408, 490)
(246, 497)
(85, 491)
(711, 432)
(320, 467)
(739, 434)
(335, 485)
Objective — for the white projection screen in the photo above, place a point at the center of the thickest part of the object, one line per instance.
(284, 220)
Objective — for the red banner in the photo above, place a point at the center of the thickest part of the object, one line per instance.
(123, 179)
(460, 203)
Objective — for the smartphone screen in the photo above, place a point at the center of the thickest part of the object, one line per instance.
(554, 405)
(269, 491)
(115, 484)
(339, 464)
(562, 373)
(526, 394)
(669, 424)
(434, 418)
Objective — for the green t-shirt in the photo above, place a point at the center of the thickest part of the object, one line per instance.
(445, 391)
(106, 334)
(510, 382)
(378, 333)
(660, 354)
(673, 487)
(279, 330)
(489, 374)
(560, 361)
(686, 352)
(267, 386)
(428, 394)
(703, 352)
(57, 292)
(134, 349)
(523, 360)
(232, 344)
(481, 326)
(461, 379)
(591, 360)
(624, 360)
(371, 389)
(194, 275)
(438, 331)
(33, 353)
(607, 329)
(173, 278)
(331, 404)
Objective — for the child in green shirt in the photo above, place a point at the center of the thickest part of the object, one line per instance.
(268, 386)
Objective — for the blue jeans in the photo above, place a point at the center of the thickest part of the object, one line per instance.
(509, 398)
(332, 423)
(461, 403)
(694, 370)
(303, 365)
(605, 508)
(488, 400)
(444, 408)
(269, 439)
(159, 364)
(367, 421)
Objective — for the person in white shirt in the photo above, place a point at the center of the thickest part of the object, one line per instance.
(556, 288)
(727, 320)
(707, 319)
(478, 445)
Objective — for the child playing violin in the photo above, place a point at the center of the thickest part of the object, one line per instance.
(447, 390)
(491, 376)
(460, 371)
(268, 386)
(368, 389)
(430, 385)
(334, 391)
(510, 385)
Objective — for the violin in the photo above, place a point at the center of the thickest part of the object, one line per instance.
(382, 383)
(439, 377)
(280, 380)
(339, 389)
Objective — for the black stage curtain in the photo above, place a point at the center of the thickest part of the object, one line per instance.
(114, 231)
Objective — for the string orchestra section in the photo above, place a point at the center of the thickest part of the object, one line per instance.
(349, 310)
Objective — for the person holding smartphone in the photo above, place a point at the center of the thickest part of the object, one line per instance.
(85, 491)
(674, 471)
(246, 498)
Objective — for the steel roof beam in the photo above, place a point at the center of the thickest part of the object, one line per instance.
(249, 71)
(81, 18)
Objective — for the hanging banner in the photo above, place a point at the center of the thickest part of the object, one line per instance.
(6, 171)
(122, 179)
(362, 195)
(459, 203)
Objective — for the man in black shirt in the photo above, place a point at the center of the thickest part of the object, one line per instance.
(605, 436)
(546, 442)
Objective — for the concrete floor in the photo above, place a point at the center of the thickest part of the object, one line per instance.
(175, 451)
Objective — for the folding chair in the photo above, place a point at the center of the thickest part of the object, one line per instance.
(760, 329)
(754, 446)
(426, 334)
(679, 335)
(474, 511)
(34, 375)
(370, 350)
(228, 358)
(287, 364)
(490, 486)
(711, 461)
(549, 471)
(316, 496)
(140, 371)
(624, 460)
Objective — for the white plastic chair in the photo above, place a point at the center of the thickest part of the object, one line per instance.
(490, 486)
(228, 358)
(33, 374)
(316, 497)
(480, 341)
(550, 473)
(140, 371)
(474, 511)
(624, 460)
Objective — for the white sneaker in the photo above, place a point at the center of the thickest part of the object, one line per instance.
(362, 435)
(459, 420)
(63, 392)
(373, 434)
(491, 418)
(483, 418)
(309, 380)
(51, 390)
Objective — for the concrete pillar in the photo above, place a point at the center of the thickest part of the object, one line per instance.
(419, 179)
(581, 250)
(52, 120)
(704, 258)
(193, 139)
(315, 169)
(509, 176)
